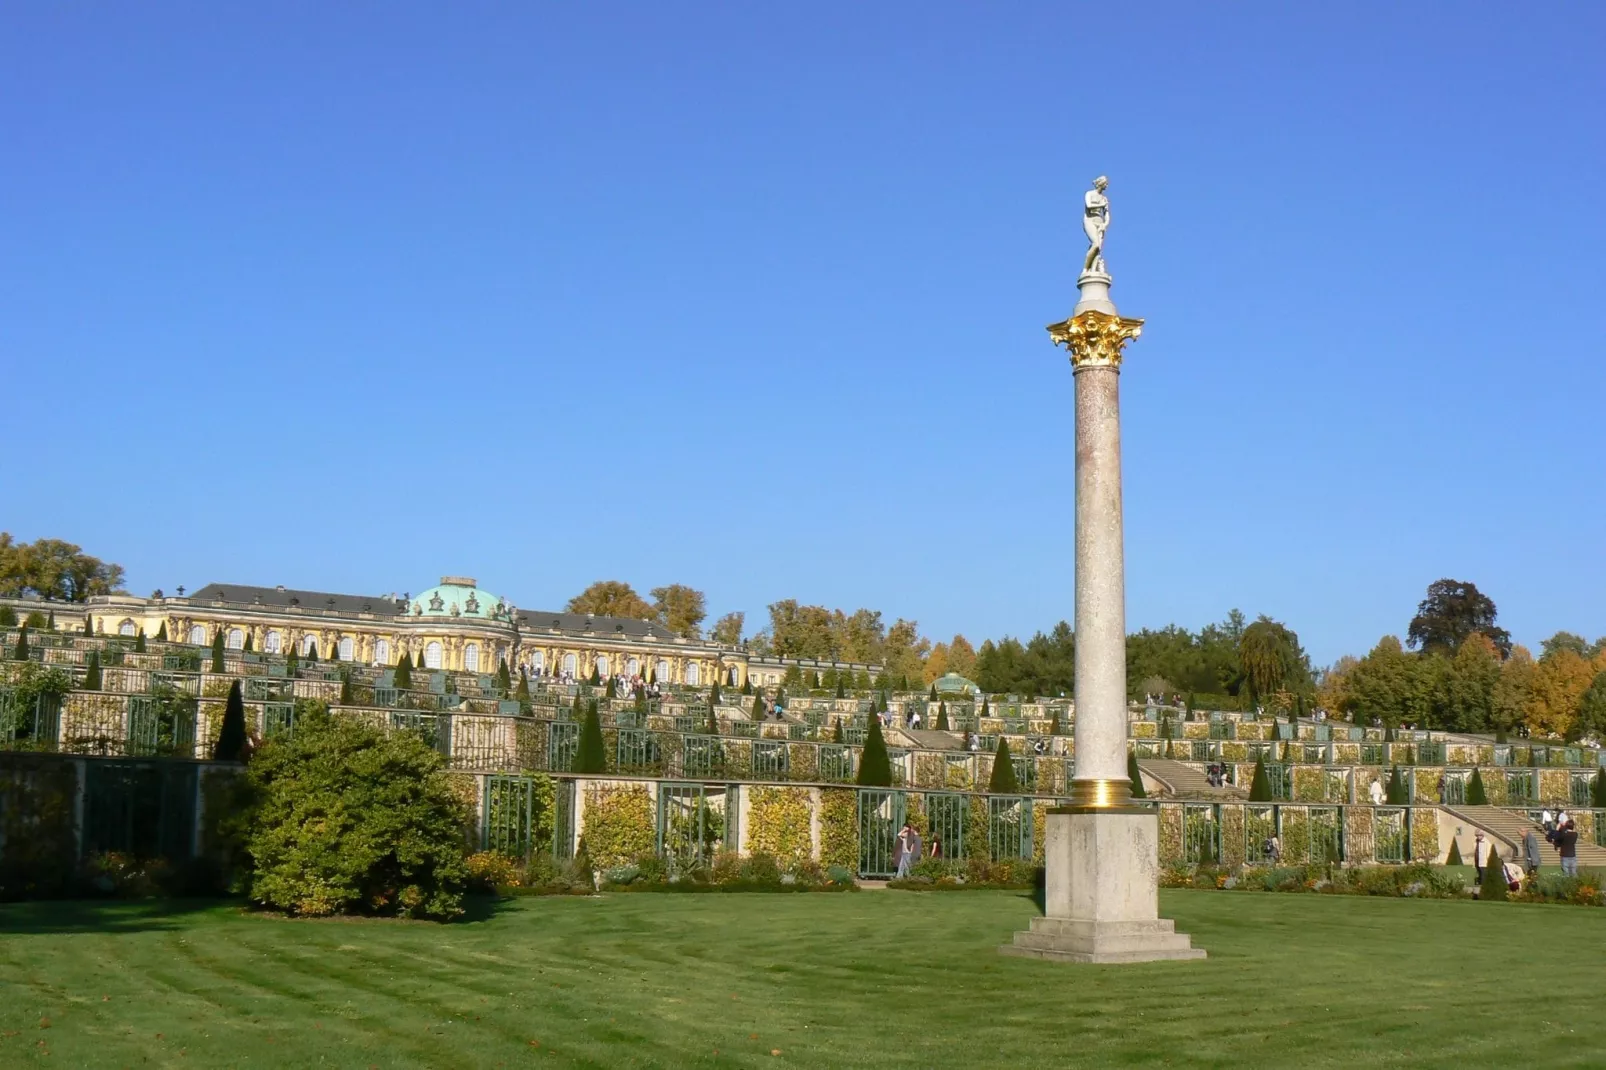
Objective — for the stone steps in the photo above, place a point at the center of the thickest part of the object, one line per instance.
(1510, 828)
(1184, 781)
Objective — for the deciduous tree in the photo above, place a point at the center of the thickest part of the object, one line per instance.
(1453, 610)
(612, 598)
(681, 609)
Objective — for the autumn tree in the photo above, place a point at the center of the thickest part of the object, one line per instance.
(612, 598)
(681, 609)
(1453, 610)
(1559, 682)
(1509, 699)
(961, 656)
(728, 629)
(51, 568)
(936, 662)
(1474, 672)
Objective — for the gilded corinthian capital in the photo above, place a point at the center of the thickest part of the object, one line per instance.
(1095, 339)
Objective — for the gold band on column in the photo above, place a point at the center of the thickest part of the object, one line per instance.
(1102, 796)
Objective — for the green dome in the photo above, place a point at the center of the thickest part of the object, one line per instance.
(954, 684)
(458, 596)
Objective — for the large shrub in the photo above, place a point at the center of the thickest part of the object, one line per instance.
(352, 820)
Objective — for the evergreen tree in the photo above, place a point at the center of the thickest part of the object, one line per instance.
(942, 716)
(613, 691)
(713, 721)
(596, 677)
(89, 624)
(249, 647)
(933, 696)
(161, 633)
(1003, 780)
(811, 680)
(841, 692)
(880, 682)
(21, 651)
(641, 701)
(861, 680)
(217, 652)
(403, 680)
(312, 653)
(875, 767)
(1171, 750)
(578, 711)
(92, 672)
(780, 696)
(232, 743)
(1398, 794)
(1597, 790)
(1133, 772)
(591, 756)
(1476, 795)
(8, 617)
(758, 707)
(291, 666)
(1454, 857)
(903, 681)
(139, 641)
(50, 623)
(1493, 888)
(1388, 733)
(345, 688)
(713, 695)
(983, 707)
(836, 730)
(524, 686)
(1054, 728)
(747, 686)
(504, 676)
(828, 680)
(1260, 785)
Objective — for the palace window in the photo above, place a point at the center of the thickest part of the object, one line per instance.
(236, 639)
(538, 662)
(632, 667)
(471, 658)
(432, 656)
(734, 674)
(661, 672)
(347, 649)
(126, 628)
(382, 652)
(694, 674)
(602, 666)
(568, 664)
(197, 635)
(309, 645)
(272, 642)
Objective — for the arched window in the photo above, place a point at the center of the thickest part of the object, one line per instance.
(602, 666)
(734, 674)
(309, 645)
(632, 667)
(236, 639)
(432, 656)
(660, 672)
(694, 674)
(568, 664)
(538, 662)
(197, 635)
(382, 652)
(126, 628)
(271, 642)
(471, 658)
(347, 649)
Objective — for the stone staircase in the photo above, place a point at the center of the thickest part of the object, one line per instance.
(1182, 781)
(1509, 827)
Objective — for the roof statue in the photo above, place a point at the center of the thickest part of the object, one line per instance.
(1095, 221)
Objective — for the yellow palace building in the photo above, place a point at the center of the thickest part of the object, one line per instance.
(455, 625)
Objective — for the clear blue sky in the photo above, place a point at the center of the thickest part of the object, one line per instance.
(347, 297)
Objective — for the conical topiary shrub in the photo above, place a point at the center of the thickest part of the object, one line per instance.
(92, 672)
(1476, 795)
(403, 680)
(942, 716)
(20, 653)
(713, 720)
(1454, 857)
(596, 677)
(1398, 794)
(139, 641)
(89, 624)
(523, 694)
(1003, 781)
(875, 767)
(231, 738)
(1493, 888)
(591, 756)
(217, 652)
(161, 633)
(836, 731)
(1597, 790)
(1260, 784)
(758, 707)
(1136, 775)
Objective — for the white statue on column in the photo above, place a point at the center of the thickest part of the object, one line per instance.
(1095, 221)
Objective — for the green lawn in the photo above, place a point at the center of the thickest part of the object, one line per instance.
(881, 979)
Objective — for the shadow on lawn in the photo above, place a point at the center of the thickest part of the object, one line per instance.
(103, 915)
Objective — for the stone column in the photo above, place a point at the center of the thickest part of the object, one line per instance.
(1101, 901)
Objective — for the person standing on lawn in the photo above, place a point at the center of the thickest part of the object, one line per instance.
(1480, 854)
(1567, 847)
(1530, 850)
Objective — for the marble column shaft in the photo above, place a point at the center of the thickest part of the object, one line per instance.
(1101, 727)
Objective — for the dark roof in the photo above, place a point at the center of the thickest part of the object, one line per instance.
(538, 621)
(280, 597)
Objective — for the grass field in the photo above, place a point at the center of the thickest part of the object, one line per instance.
(876, 979)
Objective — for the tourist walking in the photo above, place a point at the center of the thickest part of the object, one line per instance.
(901, 851)
(1480, 853)
(1567, 846)
(1376, 792)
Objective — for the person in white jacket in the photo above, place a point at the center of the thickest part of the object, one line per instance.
(1480, 854)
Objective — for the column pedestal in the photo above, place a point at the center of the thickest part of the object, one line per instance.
(1101, 903)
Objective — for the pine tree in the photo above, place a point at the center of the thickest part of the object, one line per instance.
(983, 712)
(613, 690)
(217, 652)
(1260, 785)
(836, 730)
(942, 716)
(880, 682)
(92, 673)
(1003, 780)
(21, 651)
(1493, 888)
(591, 756)
(504, 677)
(1398, 794)
(713, 695)
(933, 696)
(161, 633)
(875, 767)
(713, 721)
(1454, 858)
(841, 692)
(89, 624)
(596, 677)
(758, 707)
(232, 743)
(403, 680)
(1133, 772)
(524, 686)
(139, 641)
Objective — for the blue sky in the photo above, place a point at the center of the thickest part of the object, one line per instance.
(753, 299)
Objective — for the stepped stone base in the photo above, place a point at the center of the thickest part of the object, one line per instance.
(1102, 899)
